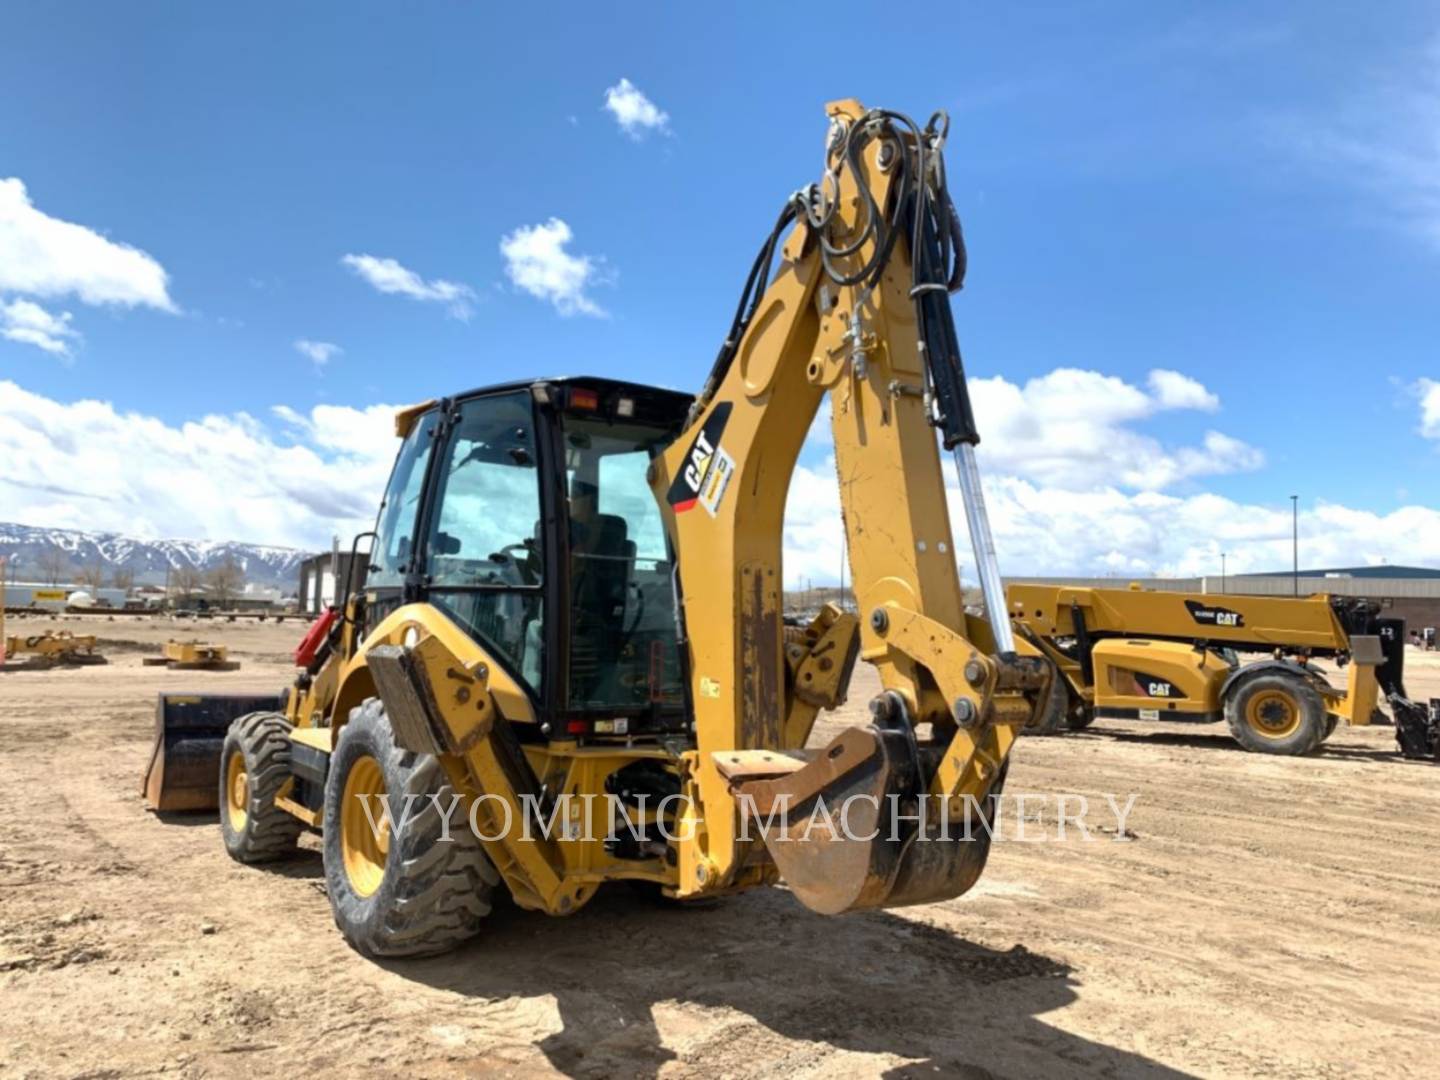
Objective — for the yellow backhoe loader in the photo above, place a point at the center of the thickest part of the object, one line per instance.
(567, 656)
(1158, 655)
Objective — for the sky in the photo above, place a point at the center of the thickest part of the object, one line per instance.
(1204, 253)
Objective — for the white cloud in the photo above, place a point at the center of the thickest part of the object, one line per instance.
(636, 114)
(1428, 391)
(1173, 390)
(389, 276)
(318, 353)
(43, 256)
(86, 465)
(1073, 488)
(1069, 428)
(536, 261)
(305, 476)
(30, 324)
(1048, 530)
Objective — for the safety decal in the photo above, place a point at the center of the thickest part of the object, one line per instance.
(1209, 615)
(686, 489)
(722, 467)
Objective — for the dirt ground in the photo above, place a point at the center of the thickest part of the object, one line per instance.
(1267, 916)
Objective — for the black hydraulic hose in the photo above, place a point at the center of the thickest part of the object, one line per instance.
(750, 296)
(937, 249)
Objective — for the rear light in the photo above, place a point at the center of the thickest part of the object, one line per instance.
(587, 400)
(625, 407)
(576, 727)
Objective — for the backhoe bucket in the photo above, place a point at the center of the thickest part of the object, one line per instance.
(184, 769)
(851, 829)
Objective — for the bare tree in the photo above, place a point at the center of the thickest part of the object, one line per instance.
(52, 563)
(225, 581)
(91, 577)
(123, 579)
(185, 580)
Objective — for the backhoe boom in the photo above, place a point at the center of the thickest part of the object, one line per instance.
(854, 313)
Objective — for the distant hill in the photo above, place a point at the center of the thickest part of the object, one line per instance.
(31, 551)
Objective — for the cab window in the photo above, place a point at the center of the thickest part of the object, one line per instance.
(624, 650)
(482, 548)
(393, 554)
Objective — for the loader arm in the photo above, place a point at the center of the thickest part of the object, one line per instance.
(849, 314)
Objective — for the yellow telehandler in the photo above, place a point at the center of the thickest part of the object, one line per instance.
(1143, 654)
(567, 657)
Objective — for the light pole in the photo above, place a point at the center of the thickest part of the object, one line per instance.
(1222, 571)
(1295, 542)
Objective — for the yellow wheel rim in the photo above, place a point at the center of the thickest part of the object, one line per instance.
(363, 846)
(237, 791)
(1273, 714)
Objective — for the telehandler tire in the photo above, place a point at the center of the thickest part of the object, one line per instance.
(1053, 713)
(402, 889)
(254, 764)
(1275, 713)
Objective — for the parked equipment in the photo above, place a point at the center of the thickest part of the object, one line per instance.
(54, 648)
(573, 608)
(193, 656)
(50, 648)
(1153, 655)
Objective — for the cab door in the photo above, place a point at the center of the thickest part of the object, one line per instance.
(482, 543)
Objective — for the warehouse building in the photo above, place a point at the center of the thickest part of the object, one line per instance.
(318, 577)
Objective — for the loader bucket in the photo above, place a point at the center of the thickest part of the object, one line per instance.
(184, 769)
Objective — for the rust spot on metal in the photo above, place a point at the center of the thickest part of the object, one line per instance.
(760, 650)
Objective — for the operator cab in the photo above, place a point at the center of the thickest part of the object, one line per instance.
(524, 513)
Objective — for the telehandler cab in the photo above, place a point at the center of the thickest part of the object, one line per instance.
(1155, 654)
(573, 604)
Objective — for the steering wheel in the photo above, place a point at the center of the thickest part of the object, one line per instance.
(525, 566)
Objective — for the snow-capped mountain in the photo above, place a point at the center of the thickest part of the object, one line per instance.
(36, 554)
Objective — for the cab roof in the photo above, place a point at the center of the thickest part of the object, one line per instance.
(675, 399)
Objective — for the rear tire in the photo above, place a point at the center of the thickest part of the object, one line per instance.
(406, 891)
(1052, 715)
(1276, 713)
(254, 765)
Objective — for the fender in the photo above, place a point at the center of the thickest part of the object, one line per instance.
(356, 682)
(1307, 672)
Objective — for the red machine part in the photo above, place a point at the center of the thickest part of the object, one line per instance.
(315, 637)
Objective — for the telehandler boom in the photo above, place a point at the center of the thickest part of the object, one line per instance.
(573, 608)
(1156, 654)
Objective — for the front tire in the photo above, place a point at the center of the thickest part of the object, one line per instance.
(254, 765)
(1276, 713)
(1051, 718)
(401, 890)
